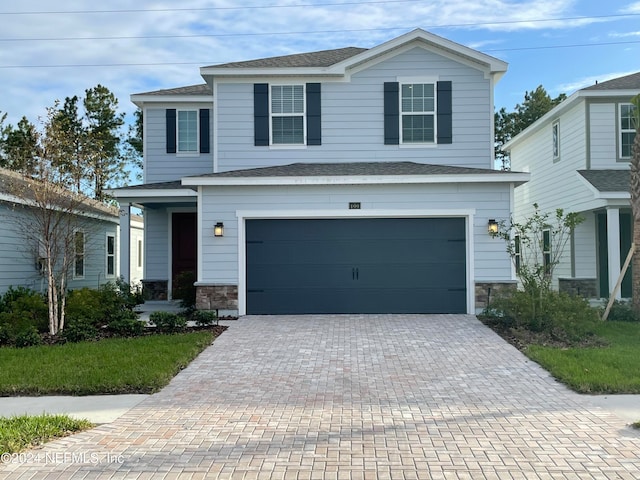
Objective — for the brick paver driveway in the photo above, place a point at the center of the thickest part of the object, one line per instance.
(370, 396)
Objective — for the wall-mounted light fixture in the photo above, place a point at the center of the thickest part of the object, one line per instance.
(218, 229)
(492, 226)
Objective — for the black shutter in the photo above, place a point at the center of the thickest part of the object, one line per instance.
(261, 114)
(314, 128)
(171, 130)
(204, 130)
(391, 113)
(445, 123)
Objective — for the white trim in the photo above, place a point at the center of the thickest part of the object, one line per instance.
(143, 100)
(303, 114)
(106, 255)
(613, 249)
(498, 177)
(151, 193)
(555, 140)
(84, 254)
(187, 153)
(243, 215)
(418, 81)
(622, 131)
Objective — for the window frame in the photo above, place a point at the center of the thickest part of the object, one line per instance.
(433, 82)
(196, 151)
(517, 252)
(546, 250)
(110, 256)
(139, 253)
(79, 256)
(302, 115)
(623, 131)
(555, 140)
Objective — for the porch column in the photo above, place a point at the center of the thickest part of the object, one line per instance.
(125, 242)
(613, 246)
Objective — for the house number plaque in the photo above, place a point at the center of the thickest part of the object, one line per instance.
(354, 205)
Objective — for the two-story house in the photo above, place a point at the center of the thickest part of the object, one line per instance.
(348, 180)
(578, 156)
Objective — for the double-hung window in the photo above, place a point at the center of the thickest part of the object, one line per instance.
(187, 128)
(555, 138)
(111, 255)
(627, 129)
(418, 112)
(546, 251)
(287, 115)
(517, 252)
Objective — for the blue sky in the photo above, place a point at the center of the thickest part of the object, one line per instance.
(50, 50)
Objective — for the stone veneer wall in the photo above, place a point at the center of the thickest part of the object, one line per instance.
(216, 297)
(485, 291)
(585, 287)
(155, 289)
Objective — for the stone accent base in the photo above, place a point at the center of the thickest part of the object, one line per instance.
(486, 291)
(155, 289)
(216, 297)
(584, 287)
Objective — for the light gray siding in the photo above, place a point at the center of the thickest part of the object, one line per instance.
(220, 255)
(353, 116)
(602, 134)
(18, 255)
(160, 166)
(156, 228)
(585, 247)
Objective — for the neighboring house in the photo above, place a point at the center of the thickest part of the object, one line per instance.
(578, 156)
(96, 258)
(348, 180)
(136, 250)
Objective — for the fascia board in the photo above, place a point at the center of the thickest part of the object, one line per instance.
(152, 193)
(141, 100)
(517, 178)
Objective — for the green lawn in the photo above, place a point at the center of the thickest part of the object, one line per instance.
(22, 432)
(611, 369)
(118, 365)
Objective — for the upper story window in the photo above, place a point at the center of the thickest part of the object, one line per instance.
(627, 130)
(555, 134)
(417, 112)
(287, 114)
(187, 129)
(546, 251)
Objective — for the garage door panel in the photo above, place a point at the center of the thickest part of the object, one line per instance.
(393, 265)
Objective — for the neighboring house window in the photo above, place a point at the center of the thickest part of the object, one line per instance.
(187, 129)
(555, 133)
(139, 253)
(627, 130)
(417, 112)
(111, 255)
(79, 244)
(287, 114)
(517, 255)
(546, 251)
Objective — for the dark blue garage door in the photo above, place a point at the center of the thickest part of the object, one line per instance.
(381, 265)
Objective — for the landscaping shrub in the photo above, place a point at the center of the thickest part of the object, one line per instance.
(86, 305)
(79, 330)
(21, 307)
(204, 318)
(168, 322)
(126, 324)
(27, 337)
(622, 312)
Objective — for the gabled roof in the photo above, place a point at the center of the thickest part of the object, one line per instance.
(626, 86)
(323, 58)
(355, 173)
(607, 180)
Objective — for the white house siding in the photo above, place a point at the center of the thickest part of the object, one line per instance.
(219, 256)
(584, 247)
(18, 257)
(353, 117)
(603, 143)
(160, 166)
(156, 255)
(136, 247)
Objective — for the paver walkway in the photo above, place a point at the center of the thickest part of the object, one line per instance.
(350, 397)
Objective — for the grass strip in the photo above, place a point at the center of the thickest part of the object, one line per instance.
(611, 369)
(109, 366)
(21, 432)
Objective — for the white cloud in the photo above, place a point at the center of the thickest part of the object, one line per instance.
(631, 8)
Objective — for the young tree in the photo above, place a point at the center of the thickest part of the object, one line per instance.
(133, 149)
(508, 124)
(635, 202)
(49, 216)
(71, 158)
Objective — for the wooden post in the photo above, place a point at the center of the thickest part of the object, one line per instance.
(612, 295)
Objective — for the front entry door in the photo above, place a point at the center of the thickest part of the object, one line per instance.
(184, 250)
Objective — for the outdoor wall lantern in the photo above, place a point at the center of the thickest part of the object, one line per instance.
(492, 226)
(218, 229)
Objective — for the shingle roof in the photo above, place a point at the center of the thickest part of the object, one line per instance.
(607, 180)
(175, 185)
(352, 169)
(628, 82)
(323, 58)
(202, 89)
